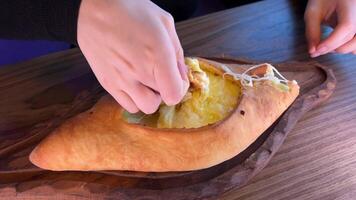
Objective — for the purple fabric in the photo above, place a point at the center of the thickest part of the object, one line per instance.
(14, 51)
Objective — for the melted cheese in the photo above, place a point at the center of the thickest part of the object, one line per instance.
(210, 99)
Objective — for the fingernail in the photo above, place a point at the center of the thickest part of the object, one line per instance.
(313, 55)
(312, 50)
(322, 50)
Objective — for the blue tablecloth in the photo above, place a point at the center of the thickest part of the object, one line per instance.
(14, 51)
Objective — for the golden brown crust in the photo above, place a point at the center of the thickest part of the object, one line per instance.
(99, 139)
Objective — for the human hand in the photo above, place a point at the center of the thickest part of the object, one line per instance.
(339, 14)
(134, 51)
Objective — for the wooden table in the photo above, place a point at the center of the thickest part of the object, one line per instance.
(318, 159)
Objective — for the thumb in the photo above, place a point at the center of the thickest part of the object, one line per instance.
(183, 69)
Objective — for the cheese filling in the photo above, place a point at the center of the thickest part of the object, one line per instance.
(210, 98)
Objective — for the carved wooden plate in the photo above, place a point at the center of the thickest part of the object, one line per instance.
(55, 103)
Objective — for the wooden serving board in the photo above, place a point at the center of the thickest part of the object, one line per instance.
(42, 93)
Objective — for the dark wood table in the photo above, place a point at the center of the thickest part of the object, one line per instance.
(318, 159)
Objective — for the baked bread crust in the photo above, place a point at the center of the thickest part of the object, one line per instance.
(99, 139)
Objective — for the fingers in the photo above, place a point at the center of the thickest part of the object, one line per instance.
(130, 94)
(313, 22)
(111, 83)
(349, 47)
(341, 34)
(168, 22)
(139, 95)
(146, 100)
(133, 62)
(183, 69)
(124, 100)
(169, 80)
(135, 97)
(167, 74)
(142, 72)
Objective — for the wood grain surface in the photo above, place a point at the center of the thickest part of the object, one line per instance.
(318, 159)
(317, 84)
